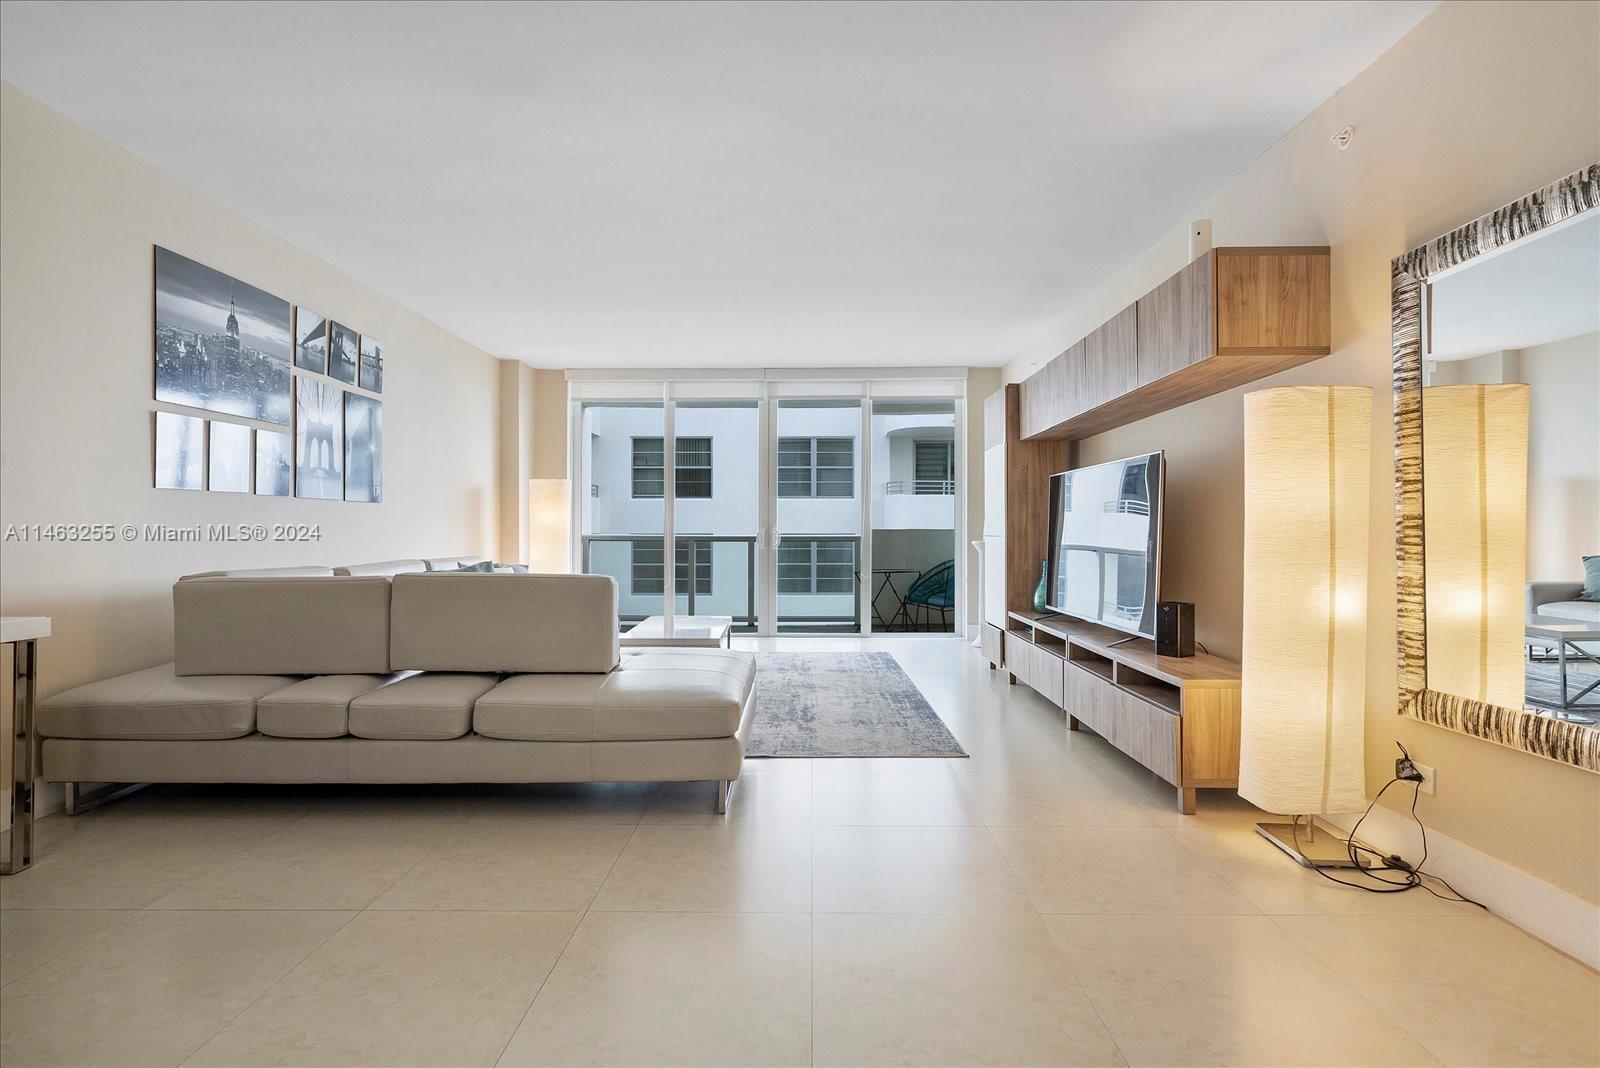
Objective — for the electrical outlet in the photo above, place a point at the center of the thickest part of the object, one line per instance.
(1428, 783)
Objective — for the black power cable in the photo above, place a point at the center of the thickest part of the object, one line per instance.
(1411, 875)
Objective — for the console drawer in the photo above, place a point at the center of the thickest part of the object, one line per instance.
(1046, 675)
(1144, 731)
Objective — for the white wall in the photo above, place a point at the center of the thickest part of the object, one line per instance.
(1478, 105)
(1563, 380)
(78, 219)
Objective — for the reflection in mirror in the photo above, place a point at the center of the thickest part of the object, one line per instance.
(1511, 476)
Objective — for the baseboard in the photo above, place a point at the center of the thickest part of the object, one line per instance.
(1549, 913)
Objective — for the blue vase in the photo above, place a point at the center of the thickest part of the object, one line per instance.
(1040, 590)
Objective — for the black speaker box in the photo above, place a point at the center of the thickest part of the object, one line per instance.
(1175, 628)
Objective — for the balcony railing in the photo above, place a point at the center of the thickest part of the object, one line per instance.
(1127, 507)
(745, 621)
(933, 487)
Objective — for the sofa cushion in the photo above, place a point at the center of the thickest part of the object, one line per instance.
(1576, 611)
(465, 621)
(318, 707)
(281, 626)
(308, 571)
(450, 563)
(382, 567)
(426, 707)
(655, 695)
(157, 703)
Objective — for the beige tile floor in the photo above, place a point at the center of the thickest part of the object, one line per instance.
(1039, 903)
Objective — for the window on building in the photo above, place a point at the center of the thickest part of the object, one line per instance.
(816, 565)
(935, 466)
(693, 468)
(648, 576)
(816, 467)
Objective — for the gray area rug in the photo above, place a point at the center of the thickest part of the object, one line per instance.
(1544, 683)
(843, 705)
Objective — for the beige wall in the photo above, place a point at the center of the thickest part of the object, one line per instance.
(1476, 106)
(78, 218)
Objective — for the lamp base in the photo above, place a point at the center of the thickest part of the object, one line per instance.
(1309, 847)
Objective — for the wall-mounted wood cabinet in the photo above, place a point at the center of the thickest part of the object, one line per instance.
(1232, 316)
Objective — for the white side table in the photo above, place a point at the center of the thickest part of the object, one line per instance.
(22, 633)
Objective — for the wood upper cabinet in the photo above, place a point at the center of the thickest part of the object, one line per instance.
(1108, 362)
(1177, 326)
(1232, 316)
(1048, 394)
(1272, 301)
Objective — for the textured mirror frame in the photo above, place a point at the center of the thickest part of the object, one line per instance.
(1517, 728)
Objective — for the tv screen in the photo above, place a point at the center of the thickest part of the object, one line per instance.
(1105, 543)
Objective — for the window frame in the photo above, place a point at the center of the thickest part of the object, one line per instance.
(680, 468)
(817, 474)
(703, 573)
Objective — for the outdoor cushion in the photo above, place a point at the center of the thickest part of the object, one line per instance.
(157, 703)
(429, 707)
(318, 707)
(654, 695)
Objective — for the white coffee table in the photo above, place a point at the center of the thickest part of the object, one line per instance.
(713, 632)
(1565, 636)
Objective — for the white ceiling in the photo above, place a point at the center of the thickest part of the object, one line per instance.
(1541, 290)
(737, 184)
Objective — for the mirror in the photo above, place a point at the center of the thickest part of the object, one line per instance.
(1511, 475)
(1496, 330)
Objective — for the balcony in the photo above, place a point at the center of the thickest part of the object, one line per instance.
(921, 487)
(719, 573)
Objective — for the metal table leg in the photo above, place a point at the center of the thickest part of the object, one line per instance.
(24, 674)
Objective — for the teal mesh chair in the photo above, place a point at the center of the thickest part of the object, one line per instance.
(934, 591)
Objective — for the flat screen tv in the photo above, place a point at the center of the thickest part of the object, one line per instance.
(1105, 543)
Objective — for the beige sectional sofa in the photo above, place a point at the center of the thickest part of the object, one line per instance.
(422, 677)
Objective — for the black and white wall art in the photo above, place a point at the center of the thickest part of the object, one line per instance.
(371, 364)
(363, 424)
(180, 451)
(318, 440)
(343, 352)
(220, 344)
(310, 341)
(231, 462)
(274, 463)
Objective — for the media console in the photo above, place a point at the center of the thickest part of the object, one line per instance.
(1178, 716)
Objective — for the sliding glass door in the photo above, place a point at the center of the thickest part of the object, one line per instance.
(717, 509)
(621, 450)
(785, 509)
(819, 516)
(915, 557)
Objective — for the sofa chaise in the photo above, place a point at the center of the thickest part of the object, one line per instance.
(414, 677)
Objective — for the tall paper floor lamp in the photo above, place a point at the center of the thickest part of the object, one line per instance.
(1306, 480)
(549, 538)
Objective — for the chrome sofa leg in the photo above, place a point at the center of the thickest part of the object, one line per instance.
(724, 791)
(78, 802)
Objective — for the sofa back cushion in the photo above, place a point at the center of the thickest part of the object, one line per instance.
(387, 568)
(470, 621)
(281, 626)
(306, 571)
